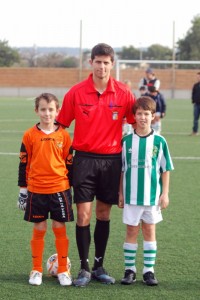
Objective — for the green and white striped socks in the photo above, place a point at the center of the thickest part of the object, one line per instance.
(150, 251)
(129, 256)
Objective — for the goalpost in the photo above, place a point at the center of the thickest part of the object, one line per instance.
(141, 64)
(173, 63)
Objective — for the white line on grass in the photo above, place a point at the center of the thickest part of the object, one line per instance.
(8, 153)
(19, 131)
(71, 131)
(179, 120)
(186, 158)
(175, 133)
(176, 157)
(30, 99)
(17, 120)
(11, 131)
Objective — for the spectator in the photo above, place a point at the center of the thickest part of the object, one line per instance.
(126, 127)
(196, 105)
(143, 90)
(160, 108)
(149, 80)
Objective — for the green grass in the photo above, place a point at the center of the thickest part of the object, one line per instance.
(177, 267)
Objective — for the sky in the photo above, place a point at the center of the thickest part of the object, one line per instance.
(119, 23)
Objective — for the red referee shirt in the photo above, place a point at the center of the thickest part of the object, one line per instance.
(98, 118)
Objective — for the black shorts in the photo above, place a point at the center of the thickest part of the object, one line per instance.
(96, 175)
(58, 205)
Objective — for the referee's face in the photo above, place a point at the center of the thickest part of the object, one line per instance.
(102, 65)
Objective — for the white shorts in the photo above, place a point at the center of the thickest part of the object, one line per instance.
(134, 214)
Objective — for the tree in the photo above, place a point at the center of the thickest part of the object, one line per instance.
(50, 60)
(189, 47)
(70, 62)
(158, 52)
(154, 52)
(28, 57)
(8, 55)
(32, 57)
(129, 53)
(56, 60)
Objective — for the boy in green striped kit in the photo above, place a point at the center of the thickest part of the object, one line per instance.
(144, 189)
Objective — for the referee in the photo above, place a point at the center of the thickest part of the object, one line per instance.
(98, 105)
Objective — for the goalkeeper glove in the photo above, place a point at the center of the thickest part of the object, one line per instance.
(23, 195)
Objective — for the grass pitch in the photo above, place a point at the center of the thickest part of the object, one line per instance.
(177, 266)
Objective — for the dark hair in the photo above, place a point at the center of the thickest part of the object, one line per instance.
(102, 49)
(152, 89)
(48, 97)
(145, 103)
(142, 88)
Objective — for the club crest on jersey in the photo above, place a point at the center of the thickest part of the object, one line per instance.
(115, 115)
(155, 151)
(130, 150)
(59, 144)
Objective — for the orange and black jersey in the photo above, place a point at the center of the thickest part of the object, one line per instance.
(43, 160)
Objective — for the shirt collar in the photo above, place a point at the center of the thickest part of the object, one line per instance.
(90, 87)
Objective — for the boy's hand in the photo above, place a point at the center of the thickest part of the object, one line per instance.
(23, 195)
(121, 201)
(164, 201)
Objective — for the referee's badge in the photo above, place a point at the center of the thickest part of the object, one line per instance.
(115, 115)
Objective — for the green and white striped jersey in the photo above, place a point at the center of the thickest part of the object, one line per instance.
(144, 160)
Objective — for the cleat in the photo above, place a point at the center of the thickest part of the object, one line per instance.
(65, 278)
(35, 278)
(129, 277)
(83, 279)
(150, 279)
(101, 275)
(194, 134)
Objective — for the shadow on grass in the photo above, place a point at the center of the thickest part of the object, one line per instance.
(15, 286)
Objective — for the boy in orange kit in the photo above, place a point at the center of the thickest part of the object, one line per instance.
(45, 161)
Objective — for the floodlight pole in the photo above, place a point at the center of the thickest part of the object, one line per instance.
(80, 54)
(141, 54)
(173, 59)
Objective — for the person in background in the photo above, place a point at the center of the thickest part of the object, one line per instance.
(126, 127)
(128, 83)
(144, 189)
(98, 106)
(196, 105)
(43, 178)
(149, 80)
(160, 108)
(143, 91)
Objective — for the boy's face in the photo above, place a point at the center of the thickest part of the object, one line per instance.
(102, 66)
(143, 118)
(47, 112)
(149, 76)
(153, 93)
(142, 92)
